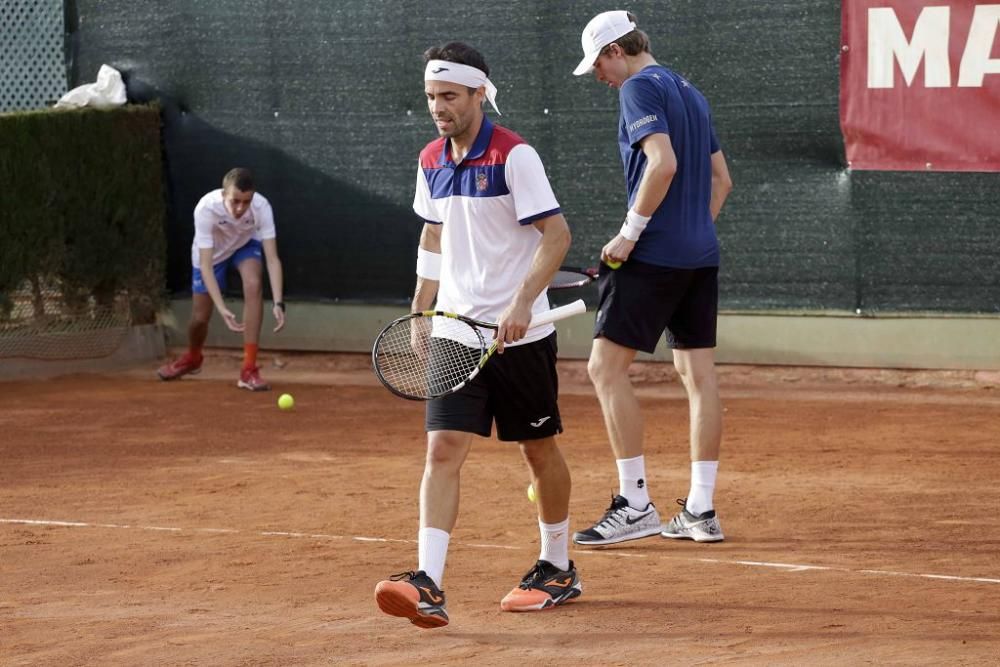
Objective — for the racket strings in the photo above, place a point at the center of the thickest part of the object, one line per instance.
(424, 357)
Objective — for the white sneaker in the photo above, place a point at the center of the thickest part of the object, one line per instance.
(621, 523)
(702, 527)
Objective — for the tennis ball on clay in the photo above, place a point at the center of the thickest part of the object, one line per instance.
(613, 264)
(286, 402)
(531, 493)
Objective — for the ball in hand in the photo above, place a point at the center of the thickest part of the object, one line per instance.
(286, 402)
(613, 265)
(531, 493)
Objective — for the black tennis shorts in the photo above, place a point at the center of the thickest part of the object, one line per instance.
(638, 302)
(518, 389)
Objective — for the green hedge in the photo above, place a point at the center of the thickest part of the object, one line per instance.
(82, 206)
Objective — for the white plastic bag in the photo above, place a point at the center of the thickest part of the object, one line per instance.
(107, 91)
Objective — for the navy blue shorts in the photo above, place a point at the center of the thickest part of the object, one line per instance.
(518, 389)
(253, 249)
(639, 302)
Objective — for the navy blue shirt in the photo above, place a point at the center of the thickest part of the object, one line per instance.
(681, 233)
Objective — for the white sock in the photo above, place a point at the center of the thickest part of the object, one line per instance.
(432, 549)
(632, 481)
(555, 543)
(699, 498)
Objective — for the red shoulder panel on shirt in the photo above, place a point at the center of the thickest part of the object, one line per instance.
(501, 144)
(431, 155)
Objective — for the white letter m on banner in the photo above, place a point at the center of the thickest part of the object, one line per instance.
(887, 44)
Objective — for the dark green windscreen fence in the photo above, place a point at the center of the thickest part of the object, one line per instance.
(324, 101)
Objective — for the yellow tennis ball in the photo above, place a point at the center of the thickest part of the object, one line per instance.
(613, 264)
(531, 493)
(286, 402)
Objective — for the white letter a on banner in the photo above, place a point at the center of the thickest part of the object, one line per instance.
(976, 62)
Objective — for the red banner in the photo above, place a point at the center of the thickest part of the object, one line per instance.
(920, 84)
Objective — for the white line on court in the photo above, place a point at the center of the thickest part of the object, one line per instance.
(787, 567)
(782, 566)
(946, 577)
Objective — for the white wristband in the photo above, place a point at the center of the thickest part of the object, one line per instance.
(428, 264)
(633, 225)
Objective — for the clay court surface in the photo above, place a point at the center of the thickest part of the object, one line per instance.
(190, 523)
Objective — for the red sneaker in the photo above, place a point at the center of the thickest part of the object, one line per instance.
(186, 365)
(250, 379)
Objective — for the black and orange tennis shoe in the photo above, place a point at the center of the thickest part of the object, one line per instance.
(544, 587)
(415, 596)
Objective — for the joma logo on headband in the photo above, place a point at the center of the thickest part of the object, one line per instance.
(440, 69)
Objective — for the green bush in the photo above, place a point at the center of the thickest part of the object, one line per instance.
(82, 206)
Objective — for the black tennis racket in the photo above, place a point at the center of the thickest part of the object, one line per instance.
(433, 353)
(568, 277)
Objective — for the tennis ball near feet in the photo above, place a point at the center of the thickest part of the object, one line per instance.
(531, 493)
(286, 402)
(613, 264)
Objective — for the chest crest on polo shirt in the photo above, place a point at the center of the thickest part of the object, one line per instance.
(482, 182)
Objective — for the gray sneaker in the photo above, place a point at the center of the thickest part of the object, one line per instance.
(621, 523)
(702, 527)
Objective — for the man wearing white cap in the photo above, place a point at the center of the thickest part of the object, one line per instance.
(666, 260)
(493, 239)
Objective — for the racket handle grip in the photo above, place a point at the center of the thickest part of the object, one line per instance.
(560, 313)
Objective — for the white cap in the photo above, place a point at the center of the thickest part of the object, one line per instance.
(601, 31)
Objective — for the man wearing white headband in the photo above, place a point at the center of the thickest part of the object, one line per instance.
(665, 276)
(492, 240)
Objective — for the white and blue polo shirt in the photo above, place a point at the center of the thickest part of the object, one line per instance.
(486, 204)
(216, 228)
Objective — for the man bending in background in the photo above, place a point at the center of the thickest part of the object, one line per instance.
(233, 226)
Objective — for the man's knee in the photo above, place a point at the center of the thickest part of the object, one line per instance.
(604, 368)
(252, 285)
(595, 369)
(539, 453)
(445, 451)
(697, 371)
(201, 309)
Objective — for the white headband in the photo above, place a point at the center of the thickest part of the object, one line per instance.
(473, 77)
